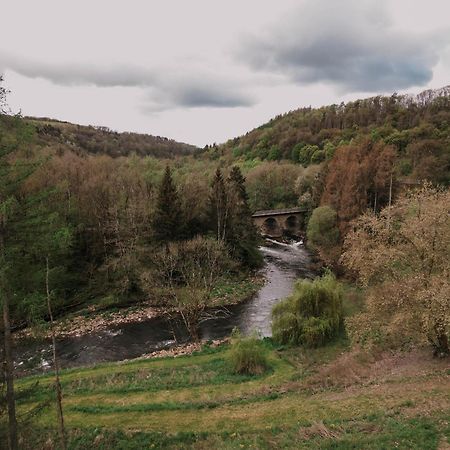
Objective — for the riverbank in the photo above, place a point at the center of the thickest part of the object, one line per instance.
(332, 397)
(94, 318)
(245, 310)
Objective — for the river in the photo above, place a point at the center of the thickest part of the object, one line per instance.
(284, 263)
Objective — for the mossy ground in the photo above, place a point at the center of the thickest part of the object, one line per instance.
(393, 401)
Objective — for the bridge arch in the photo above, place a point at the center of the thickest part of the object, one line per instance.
(271, 227)
(291, 223)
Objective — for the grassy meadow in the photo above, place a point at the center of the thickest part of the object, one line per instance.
(331, 397)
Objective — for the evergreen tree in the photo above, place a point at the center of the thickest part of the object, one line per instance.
(242, 237)
(219, 206)
(167, 224)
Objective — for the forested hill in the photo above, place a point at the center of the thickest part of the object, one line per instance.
(101, 140)
(311, 135)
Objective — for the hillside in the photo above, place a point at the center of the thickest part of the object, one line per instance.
(101, 140)
(416, 126)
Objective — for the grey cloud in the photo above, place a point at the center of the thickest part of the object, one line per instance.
(164, 90)
(198, 91)
(208, 96)
(349, 43)
(71, 74)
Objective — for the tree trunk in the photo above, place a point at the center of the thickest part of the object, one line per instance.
(9, 365)
(9, 376)
(442, 348)
(192, 324)
(59, 408)
(390, 203)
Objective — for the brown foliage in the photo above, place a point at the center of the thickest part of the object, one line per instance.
(358, 177)
(401, 256)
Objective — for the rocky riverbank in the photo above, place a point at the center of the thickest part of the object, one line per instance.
(92, 320)
(79, 325)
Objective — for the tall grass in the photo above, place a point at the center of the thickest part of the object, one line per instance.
(247, 355)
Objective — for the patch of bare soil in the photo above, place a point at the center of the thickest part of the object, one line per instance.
(359, 368)
(318, 429)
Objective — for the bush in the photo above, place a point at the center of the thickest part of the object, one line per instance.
(312, 315)
(247, 355)
(322, 231)
(323, 234)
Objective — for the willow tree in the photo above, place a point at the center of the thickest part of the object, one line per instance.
(312, 315)
(401, 257)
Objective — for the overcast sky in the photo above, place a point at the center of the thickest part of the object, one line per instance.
(203, 71)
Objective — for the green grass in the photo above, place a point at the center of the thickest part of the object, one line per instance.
(198, 402)
(236, 290)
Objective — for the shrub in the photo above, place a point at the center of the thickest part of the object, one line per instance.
(322, 228)
(312, 315)
(323, 234)
(400, 257)
(247, 355)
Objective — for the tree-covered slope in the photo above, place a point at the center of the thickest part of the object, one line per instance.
(101, 140)
(416, 126)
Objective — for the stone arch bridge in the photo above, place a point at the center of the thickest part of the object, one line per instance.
(280, 222)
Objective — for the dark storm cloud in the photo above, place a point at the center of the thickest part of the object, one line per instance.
(164, 90)
(349, 43)
(197, 96)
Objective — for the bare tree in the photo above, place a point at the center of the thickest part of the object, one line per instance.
(4, 109)
(55, 361)
(191, 269)
(8, 366)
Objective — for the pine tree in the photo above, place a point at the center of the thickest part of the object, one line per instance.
(242, 237)
(167, 224)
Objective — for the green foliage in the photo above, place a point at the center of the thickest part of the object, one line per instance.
(312, 315)
(272, 185)
(196, 402)
(247, 355)
(405, 167)
(318, 156)
(302, 135)
(306, 153)
(329, 149)
(322, 231)
(274, 153)
(237, 151)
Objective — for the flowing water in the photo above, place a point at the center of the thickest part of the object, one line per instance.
(284, 263)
